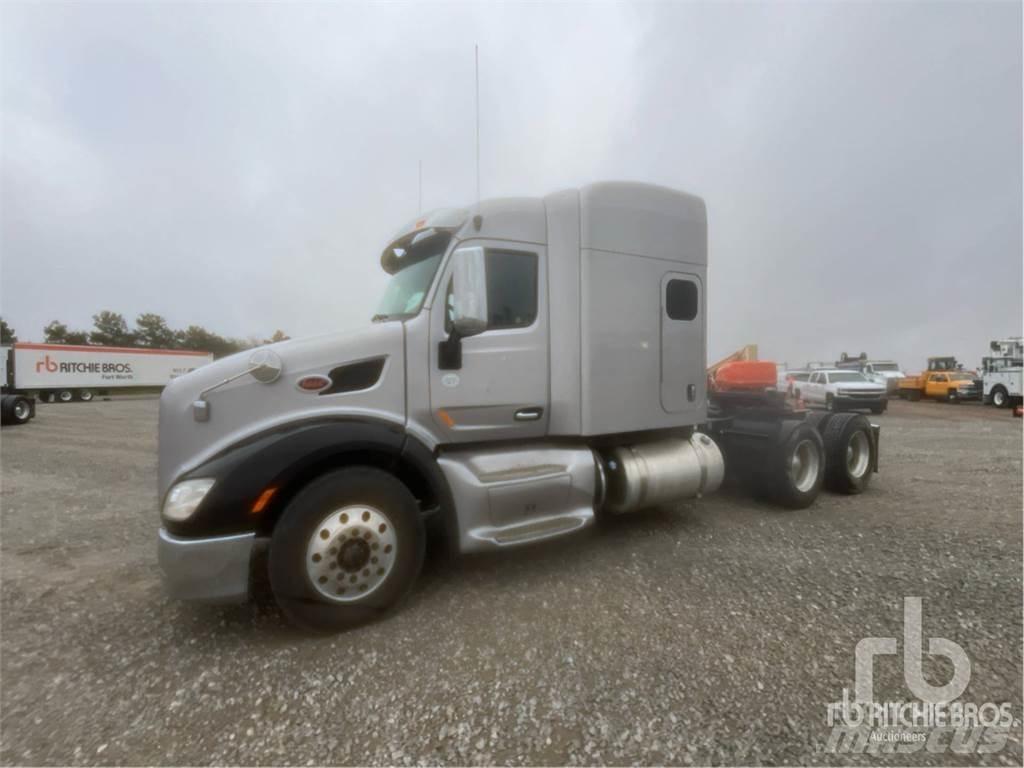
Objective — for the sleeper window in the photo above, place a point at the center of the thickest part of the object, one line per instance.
(681, 299)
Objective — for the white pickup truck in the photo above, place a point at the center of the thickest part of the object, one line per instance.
(837, 390)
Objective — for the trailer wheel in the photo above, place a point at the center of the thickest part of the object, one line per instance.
(348, 547)
(15, 409)
(65, 395)
(999, 397)
(849, 453)
(798, 472)
(85, 395)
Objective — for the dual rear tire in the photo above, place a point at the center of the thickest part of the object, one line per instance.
(849, 450)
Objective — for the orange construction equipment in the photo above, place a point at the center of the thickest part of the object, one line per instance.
(745, 376)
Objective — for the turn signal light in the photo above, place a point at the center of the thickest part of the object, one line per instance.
(313, 383)
(263, 500)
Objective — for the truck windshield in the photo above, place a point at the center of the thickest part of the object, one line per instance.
(412, 262)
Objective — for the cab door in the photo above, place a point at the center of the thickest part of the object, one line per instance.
(936, 385)
(501, 389)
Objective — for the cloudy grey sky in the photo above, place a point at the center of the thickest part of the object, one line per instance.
(240, 166)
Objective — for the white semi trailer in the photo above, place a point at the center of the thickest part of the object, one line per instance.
(533, 363)
(62, 372)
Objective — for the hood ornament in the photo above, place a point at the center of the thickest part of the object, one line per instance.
(265, 366)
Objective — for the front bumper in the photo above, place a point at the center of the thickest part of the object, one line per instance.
(861, 401)
(213, 570)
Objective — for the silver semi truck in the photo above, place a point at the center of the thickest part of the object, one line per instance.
(533, 363)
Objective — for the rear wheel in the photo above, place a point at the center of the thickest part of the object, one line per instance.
(999, 397)
(65, 395)
(348, 547)
(797, 470)
(85, 395)
(849, 453)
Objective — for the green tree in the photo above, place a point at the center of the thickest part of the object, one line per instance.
(279, 335)
(151, 330)
(111, 330)
(197, 337)
(55, 333)
(7, 334)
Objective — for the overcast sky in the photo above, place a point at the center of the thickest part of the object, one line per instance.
(241, 166)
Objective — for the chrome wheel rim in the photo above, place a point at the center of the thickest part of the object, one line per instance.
(998, 398)
(803, 466)
(21, 410)
(351, 553)
(858, 454)
(65, 397)
(86, 396)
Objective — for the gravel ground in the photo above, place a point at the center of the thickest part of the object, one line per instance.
(712, 633)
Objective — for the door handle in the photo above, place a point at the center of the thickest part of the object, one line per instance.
(529, 414)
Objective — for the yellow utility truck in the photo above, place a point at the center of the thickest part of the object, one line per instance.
(945, 379)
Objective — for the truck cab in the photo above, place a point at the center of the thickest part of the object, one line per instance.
(532, 362)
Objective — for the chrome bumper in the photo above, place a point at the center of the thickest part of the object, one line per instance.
(214, 570)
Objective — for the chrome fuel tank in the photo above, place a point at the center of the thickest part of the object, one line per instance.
(660, 472)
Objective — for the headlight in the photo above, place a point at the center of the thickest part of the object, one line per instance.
(183, 499)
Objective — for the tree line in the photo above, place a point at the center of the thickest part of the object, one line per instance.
(151, 331)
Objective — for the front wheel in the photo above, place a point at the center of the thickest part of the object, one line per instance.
(952, 397)
(85, 395)
(348, 547)
(999, 397)
(65, 395)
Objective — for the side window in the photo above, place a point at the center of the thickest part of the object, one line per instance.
(511, 289)
(813, 379)
(681, 300)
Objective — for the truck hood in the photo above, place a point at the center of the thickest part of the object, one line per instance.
(242, 407)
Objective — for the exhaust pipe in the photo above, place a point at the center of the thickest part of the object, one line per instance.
(661, 472)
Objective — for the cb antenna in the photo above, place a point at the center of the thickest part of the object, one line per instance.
(419, 196)
(476, 62)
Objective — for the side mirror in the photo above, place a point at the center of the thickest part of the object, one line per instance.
(469, 304)
(469, 291)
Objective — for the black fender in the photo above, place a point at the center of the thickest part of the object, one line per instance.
(286, 459)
